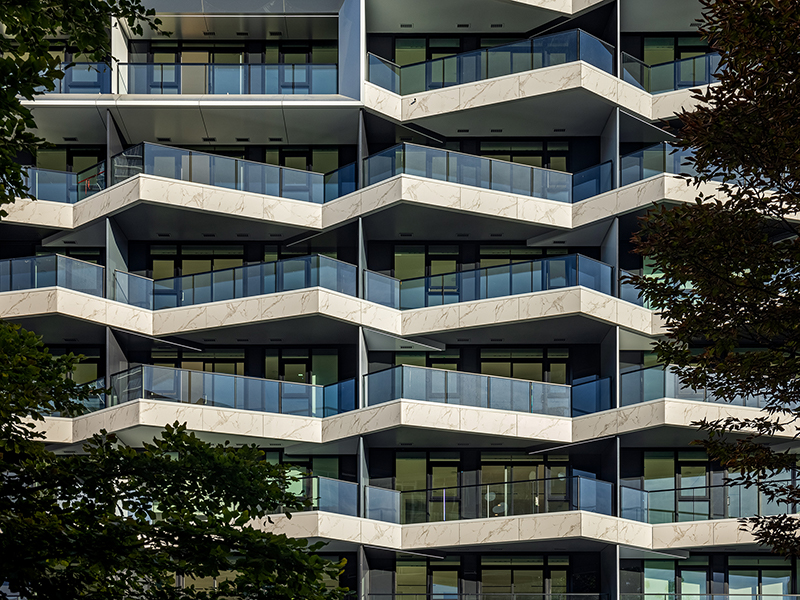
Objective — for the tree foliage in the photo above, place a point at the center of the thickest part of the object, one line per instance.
(729, 264)
(117, 522)
(27, 67)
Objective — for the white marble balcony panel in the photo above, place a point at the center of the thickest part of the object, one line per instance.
(109, 201)
(634, 99)
(26, 303)
(434, 102)
(282, 305)
(636, 318)
(377, 316)
(668, 104)
(447, 417)
(383, 101)
(381, 195)
(683, 535)
(380, 533)
(434, 318)
(685, 412)
(549, 80)
(615, 530)
(488, 91)
(363, 421)
(550, 526)
(56, 430)
(300, 525)
(54, 215)
(431, 535)
(493, 530)
(206, 419)
(728, 531)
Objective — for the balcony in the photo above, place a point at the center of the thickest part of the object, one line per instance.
(51, 270)
(82, 78)
(233, 79)
(670, 76)
(232, 391)
(491, 282)
(483, 391)
(230, 173)
(469, 67)
(328, 495)
(654, 160)
(486, 173)
(697, 504)
(490, 596)
(654, 383)
(239, 282)
(505, 499)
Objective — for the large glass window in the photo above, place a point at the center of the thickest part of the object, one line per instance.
(534, 364)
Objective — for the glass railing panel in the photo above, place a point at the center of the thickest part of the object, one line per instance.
(80, 276)
(335, 496)
(635, 72)
(550, 399)
(467, 389)
(501, 499)
(555, 49)
(127, 164)
(468, 67)
(384, 386)
(82, 78)
(595, 275)
(509, 394)
(340, 182)
(259, 178)
(469, 170)
(383, 165)
(505, 280)
(383, 73)
(641, 385)
(52, 186)
(382, 504)
(654, 160)
(242, 282)
(592, 181)
(628, 291)
(232, 391)
(551, 185)
(91, 180)
(591, 397)
(596, 52)
(382, 289)
(593, 495)
(634, 504)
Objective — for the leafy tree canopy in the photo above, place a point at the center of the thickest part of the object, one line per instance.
(117, 522)
(729, 264)
(27, 67)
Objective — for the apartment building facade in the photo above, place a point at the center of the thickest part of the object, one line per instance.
(384, 241)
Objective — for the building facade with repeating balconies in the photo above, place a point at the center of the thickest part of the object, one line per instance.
(384, 241)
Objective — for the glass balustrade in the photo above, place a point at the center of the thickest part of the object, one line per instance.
(698, 504)
(688, 596)
(653, 383)
(239, 282)
(82, 78)
(220, 171)
(340, 182)
(49, 271)
(490, 282)
(231, 391)
(470, 389)
(655, 160)
(91, 404)
(593, 181)
(628, 291)
(670, 76)
(133, 289)
(504, 499)
(492, 596)
(91, 180)
(233, 79)
(51, 186)
(328, 495)
(455, 167)
(469, 67)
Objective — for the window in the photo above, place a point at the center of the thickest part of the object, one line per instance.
(533, 364)
(551, 154)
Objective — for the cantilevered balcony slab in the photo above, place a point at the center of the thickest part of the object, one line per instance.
(527, 531)
(656, 414)
(184, 321)
(581, 90)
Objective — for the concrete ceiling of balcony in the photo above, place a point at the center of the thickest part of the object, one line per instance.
(425, 223)
(641, 16)
(449, 16)
(242, 25)
(191, 119)
(561, 114)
